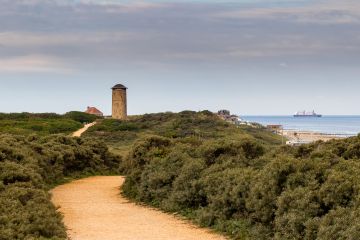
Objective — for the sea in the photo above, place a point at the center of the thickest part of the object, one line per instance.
(339, 125)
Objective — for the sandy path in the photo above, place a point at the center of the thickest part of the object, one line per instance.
(79, 132)
(94, 210)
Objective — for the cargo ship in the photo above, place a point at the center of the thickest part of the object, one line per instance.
(307, 114)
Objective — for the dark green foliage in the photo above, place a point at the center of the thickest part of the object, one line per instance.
(238, 180)
(42, 123)
(27, 213)
(113, 125)
(29, 166)
(27, 116)
(202, 125)
(81, 117)
(219, 151)
(154, 147)
(39, 126)
(188, 126)
(248, 188)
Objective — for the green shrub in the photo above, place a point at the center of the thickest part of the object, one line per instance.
(81, 117)
(198, 126)
(250, 189)
(29, 166)
(41, 124)
(238, 179)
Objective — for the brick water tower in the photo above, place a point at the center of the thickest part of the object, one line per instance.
(119, 102)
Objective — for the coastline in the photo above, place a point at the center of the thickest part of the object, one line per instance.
(297, 131)
(302, 137)
(341, 125)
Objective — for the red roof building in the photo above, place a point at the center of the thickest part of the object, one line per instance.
(94, 111)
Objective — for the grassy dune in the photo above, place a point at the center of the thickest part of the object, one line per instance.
(43, 123)
(239, 181)
(188, 125)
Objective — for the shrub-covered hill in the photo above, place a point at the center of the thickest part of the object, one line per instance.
(240, 181)
(43, 123)
(189, 125)
(29, 166)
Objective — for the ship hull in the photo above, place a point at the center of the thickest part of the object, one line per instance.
(307, 116)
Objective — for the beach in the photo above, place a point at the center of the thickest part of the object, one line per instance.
(328, 125)
(294, 136)
(298, 131)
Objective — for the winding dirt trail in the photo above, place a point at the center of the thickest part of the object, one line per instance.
(79, 132)
(93, 209)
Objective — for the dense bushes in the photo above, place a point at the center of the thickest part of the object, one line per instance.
(249, 191)
(237, 180)
(39, 126)
(43, 123)
(188, 125)
(26, 116)
(81, 117)
(29, 166)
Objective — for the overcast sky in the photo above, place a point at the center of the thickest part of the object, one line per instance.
(254, 57)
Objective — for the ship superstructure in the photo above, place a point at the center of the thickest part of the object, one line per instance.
(307, 114)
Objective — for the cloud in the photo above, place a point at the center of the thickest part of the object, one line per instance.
(135, 6)
(43, 39)
(320, 12)
(33, 64)
(110, 34)
(114, 5)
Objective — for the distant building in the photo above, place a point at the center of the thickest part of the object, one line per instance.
(275, 128)
(224, 113)
(119, 102)
(94, 111)
(227, 116)
(234, 119)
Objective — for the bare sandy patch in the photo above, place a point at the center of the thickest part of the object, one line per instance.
(79, 132)
(93, 209)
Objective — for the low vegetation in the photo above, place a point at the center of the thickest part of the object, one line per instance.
(29, 166)
(309, 192)
(239, 181)
(43, 123)
(121, 135)
(81, 117)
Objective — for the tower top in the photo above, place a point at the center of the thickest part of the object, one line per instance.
(119, 86)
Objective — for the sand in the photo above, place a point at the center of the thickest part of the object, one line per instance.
(93, 209)
(79, 132)
(307, 136)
